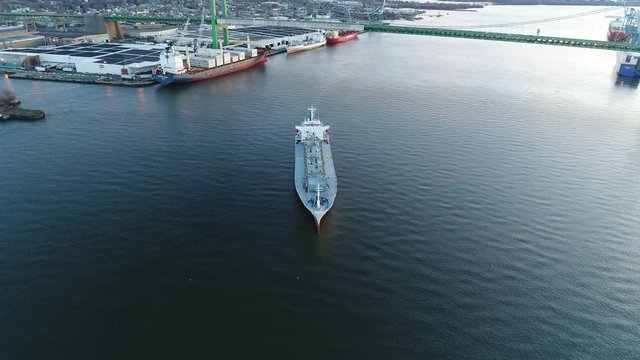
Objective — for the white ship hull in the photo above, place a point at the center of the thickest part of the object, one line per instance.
(308, 46)
(314, 176)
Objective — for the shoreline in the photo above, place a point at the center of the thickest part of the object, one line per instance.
(97, 79)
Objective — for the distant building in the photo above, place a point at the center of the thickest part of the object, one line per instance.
(148, 30)
(65, 38)
(18, 36)
(25, 40)
(350, 3)
(18, 60)
(22, 10)
(129, 60)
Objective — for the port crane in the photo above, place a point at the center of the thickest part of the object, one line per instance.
(200, 29)
(631, 23)
(376, 14)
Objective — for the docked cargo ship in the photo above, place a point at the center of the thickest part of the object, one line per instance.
(628, 64)
(307, 45)
(315, 176)
(336, 37)
(207, 64)
(625, 28)
(616, 31)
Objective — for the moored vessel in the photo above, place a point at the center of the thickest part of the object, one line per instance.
(206, 64)
(336, 37)
(314, 175)
(628, 64)
(309, 44)
(625, 28)
(616, 31)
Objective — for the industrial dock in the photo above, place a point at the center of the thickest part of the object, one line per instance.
(133, 64)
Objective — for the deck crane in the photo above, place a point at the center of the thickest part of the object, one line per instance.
(200, 29)
(184, 31)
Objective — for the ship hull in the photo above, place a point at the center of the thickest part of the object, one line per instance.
(308, 196)
(272, 51)
(628, 64)
(298, 48)
(616, 36)
(168, 79)
(342, 38)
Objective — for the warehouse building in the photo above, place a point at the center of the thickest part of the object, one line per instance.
(128, 60)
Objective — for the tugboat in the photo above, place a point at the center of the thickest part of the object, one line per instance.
(314, 177)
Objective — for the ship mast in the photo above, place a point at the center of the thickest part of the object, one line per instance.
(318, 196)
(312, 115)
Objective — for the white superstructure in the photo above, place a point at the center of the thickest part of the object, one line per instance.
(315, 176)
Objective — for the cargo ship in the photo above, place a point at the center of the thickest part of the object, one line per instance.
(314, 177)
(336, 37)
(307, 45)
(628, 64)
(616, 31)
(625, 28)
(177, 68)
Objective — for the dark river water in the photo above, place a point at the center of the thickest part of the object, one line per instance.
(488, 207)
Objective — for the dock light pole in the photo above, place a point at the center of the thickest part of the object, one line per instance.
(214, 24)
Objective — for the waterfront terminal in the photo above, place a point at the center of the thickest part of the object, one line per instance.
(131, 63)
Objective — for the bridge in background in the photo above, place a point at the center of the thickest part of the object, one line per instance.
(293, 23)
(370, 27)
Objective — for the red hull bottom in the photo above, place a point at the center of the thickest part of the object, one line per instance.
(210, 73)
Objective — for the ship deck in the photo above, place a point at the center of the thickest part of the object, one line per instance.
(321, 171)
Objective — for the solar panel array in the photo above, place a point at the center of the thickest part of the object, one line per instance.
(103, 52)
(268, 32)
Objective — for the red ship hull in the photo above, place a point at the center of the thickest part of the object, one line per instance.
(616, 35)
(198, 75)
(342, 37)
